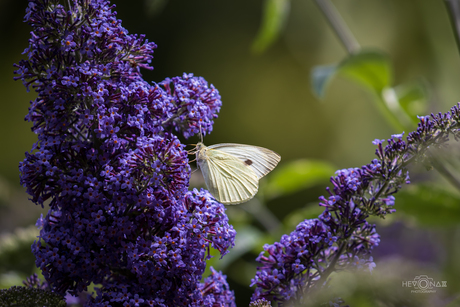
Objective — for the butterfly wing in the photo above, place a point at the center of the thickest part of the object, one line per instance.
(228, 179)
(260, 160)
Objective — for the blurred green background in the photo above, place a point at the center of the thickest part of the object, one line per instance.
(268, 101)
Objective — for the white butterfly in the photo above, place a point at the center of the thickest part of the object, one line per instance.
(232, 171)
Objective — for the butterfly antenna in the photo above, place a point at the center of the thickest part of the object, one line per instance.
(201, 134)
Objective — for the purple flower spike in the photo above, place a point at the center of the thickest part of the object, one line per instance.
(216, 291)
(114, 175)
(341, 237)
(194, 102)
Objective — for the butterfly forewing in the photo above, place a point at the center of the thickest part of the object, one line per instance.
(228, 179)
(260, 160)
(209, 177)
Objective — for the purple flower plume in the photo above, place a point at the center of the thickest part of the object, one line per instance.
(110, 166)
(216, 291)
(341, 237)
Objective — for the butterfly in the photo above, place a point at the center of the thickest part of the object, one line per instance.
(232, 171)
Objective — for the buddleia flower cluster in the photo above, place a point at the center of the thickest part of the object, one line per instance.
(260, 303)
(216, 291)
(110, 166)
(341, 238)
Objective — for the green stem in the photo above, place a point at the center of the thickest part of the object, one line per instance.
(387, 100)
(392, 111)
(339, 26)
(325, 274)
(441, 167)
(390, 117)
(453, 7)
(265, 217)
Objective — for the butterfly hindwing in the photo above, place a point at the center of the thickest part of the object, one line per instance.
(228, 179)
(260, 160)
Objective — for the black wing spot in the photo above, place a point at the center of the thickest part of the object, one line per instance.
(248, 162)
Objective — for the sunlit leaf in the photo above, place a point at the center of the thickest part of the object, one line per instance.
(320, 77)
(246, 239)
(273, 19)
(297, 175)
(15, 253)
(429, 205)
(369, 68)
(413, 99)
(310, 211)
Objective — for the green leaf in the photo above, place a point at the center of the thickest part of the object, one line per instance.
(297, 175)
(310, 211)
(246, 238)
(413, 99)
(371, 69)
(429, 205)
(273, 19)
(15, 253)
(320, 77)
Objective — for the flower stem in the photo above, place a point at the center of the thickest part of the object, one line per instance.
(453, 7)
(441, 167)
(262, 214)
(339, 26)
(325, 274)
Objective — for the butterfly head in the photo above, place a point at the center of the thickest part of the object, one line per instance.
(200, 152)
(199, 146)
